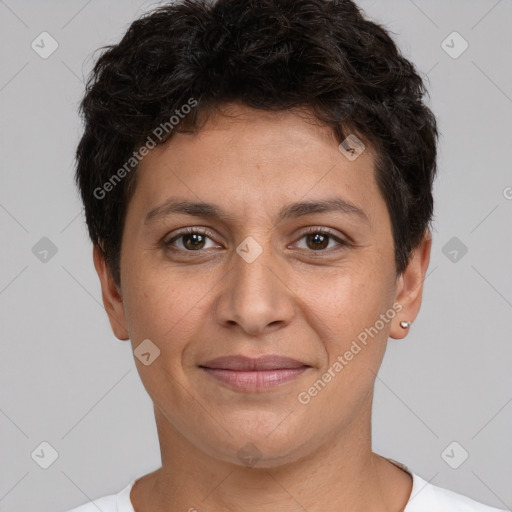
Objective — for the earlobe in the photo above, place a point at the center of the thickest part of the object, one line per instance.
(409, 288)
(112, 299)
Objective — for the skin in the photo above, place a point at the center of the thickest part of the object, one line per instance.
(294, 299)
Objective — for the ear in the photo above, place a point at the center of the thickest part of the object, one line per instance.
(409, 287)
(112, 299)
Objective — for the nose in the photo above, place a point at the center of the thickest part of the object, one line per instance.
(255, 296)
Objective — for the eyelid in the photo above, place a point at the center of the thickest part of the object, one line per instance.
(322, 229)
(340, 240)
(186, 231)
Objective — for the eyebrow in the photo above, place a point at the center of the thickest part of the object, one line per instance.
(292, 210)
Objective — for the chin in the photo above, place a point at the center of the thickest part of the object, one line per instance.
(265, 446)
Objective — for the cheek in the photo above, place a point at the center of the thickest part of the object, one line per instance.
(166, 313)
(346, 300)
(346, 315)
(344, 320)
(166, 308)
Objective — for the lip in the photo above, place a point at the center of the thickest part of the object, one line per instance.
(247, 374)
(244, 363)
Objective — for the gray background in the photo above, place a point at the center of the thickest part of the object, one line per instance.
(66, 380)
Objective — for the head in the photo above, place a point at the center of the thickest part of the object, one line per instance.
(291, 141)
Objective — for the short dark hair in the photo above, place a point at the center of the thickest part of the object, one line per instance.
(273, 55)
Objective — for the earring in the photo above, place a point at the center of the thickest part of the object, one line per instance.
(405, 325)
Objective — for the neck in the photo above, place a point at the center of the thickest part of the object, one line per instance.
(342, 473)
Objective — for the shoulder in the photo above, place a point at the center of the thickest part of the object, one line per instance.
(119, 502)
(426, 497)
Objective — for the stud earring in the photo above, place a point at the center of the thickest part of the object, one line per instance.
(405, 325)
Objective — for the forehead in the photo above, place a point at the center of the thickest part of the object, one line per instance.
(234, 131)
(243, 156)
(235, 127)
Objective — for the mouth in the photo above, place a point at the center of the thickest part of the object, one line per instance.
(254, 374)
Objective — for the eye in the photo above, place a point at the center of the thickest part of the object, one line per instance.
(196, 239)
(193, 239)
(318, 239)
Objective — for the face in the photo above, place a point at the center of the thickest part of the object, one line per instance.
(292, 256)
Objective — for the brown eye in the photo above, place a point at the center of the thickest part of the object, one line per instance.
(317, 241)
(191, 240)
(320, 239)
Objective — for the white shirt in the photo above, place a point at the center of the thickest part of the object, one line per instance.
(424, 497)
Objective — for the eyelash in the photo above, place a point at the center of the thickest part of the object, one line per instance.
(209, 234)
